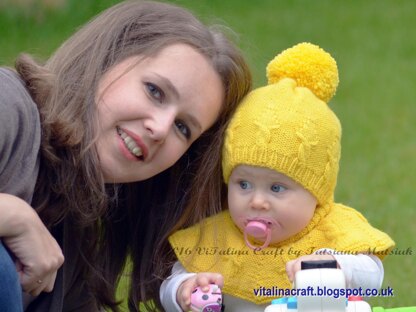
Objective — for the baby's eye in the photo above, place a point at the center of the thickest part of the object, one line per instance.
(183, 129)
(245, 185)
(277, 188)
(155, 91)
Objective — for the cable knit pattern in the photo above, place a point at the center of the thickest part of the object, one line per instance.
(221, 248)
(286, 126)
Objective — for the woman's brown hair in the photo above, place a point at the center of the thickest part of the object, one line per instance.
(109, 222)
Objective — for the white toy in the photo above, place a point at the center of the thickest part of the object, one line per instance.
(356, 304)
(319, 275)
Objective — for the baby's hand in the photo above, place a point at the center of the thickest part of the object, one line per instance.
(203, 280)
(294, 265)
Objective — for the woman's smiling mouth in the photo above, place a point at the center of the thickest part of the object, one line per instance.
(131, 144)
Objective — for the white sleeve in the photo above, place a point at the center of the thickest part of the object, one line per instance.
(360, 270)
(170, 286)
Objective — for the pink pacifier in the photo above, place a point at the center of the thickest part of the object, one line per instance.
(259, 229)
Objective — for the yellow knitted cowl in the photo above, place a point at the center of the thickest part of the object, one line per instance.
(217, 245)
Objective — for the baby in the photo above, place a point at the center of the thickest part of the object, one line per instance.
(280, 162)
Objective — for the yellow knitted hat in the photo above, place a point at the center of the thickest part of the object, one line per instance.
(287, 125)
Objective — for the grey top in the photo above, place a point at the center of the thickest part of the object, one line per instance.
(19, 137)
(20, 134)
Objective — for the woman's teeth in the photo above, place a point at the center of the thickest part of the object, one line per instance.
(130, 143)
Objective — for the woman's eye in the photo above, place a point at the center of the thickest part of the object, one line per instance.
(183, 129)
(277, 188)
(155, 91)
(244, 185)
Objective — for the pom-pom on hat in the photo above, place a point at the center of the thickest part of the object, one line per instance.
(287, 125)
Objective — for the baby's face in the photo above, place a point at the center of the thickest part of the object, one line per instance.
(257, 193)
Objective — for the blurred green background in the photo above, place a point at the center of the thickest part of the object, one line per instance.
(374, 44)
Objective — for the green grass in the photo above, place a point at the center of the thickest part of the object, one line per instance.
(374, 45)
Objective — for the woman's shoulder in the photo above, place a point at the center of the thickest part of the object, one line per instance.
(9, 79)
(17, 107)
(19, 137)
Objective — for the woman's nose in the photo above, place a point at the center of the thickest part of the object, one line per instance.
(160, 124)
(259, 202)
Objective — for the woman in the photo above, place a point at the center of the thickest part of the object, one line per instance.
(141, 88)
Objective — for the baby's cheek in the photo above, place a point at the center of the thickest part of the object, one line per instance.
(296, 223)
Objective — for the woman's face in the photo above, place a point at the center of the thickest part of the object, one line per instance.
(151, 110)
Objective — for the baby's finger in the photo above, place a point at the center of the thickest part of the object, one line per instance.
(184, 293)
(203, 281)
(290, 269)
(184, 300)
(218, 279)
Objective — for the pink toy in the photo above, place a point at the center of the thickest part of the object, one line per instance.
(210, 301)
